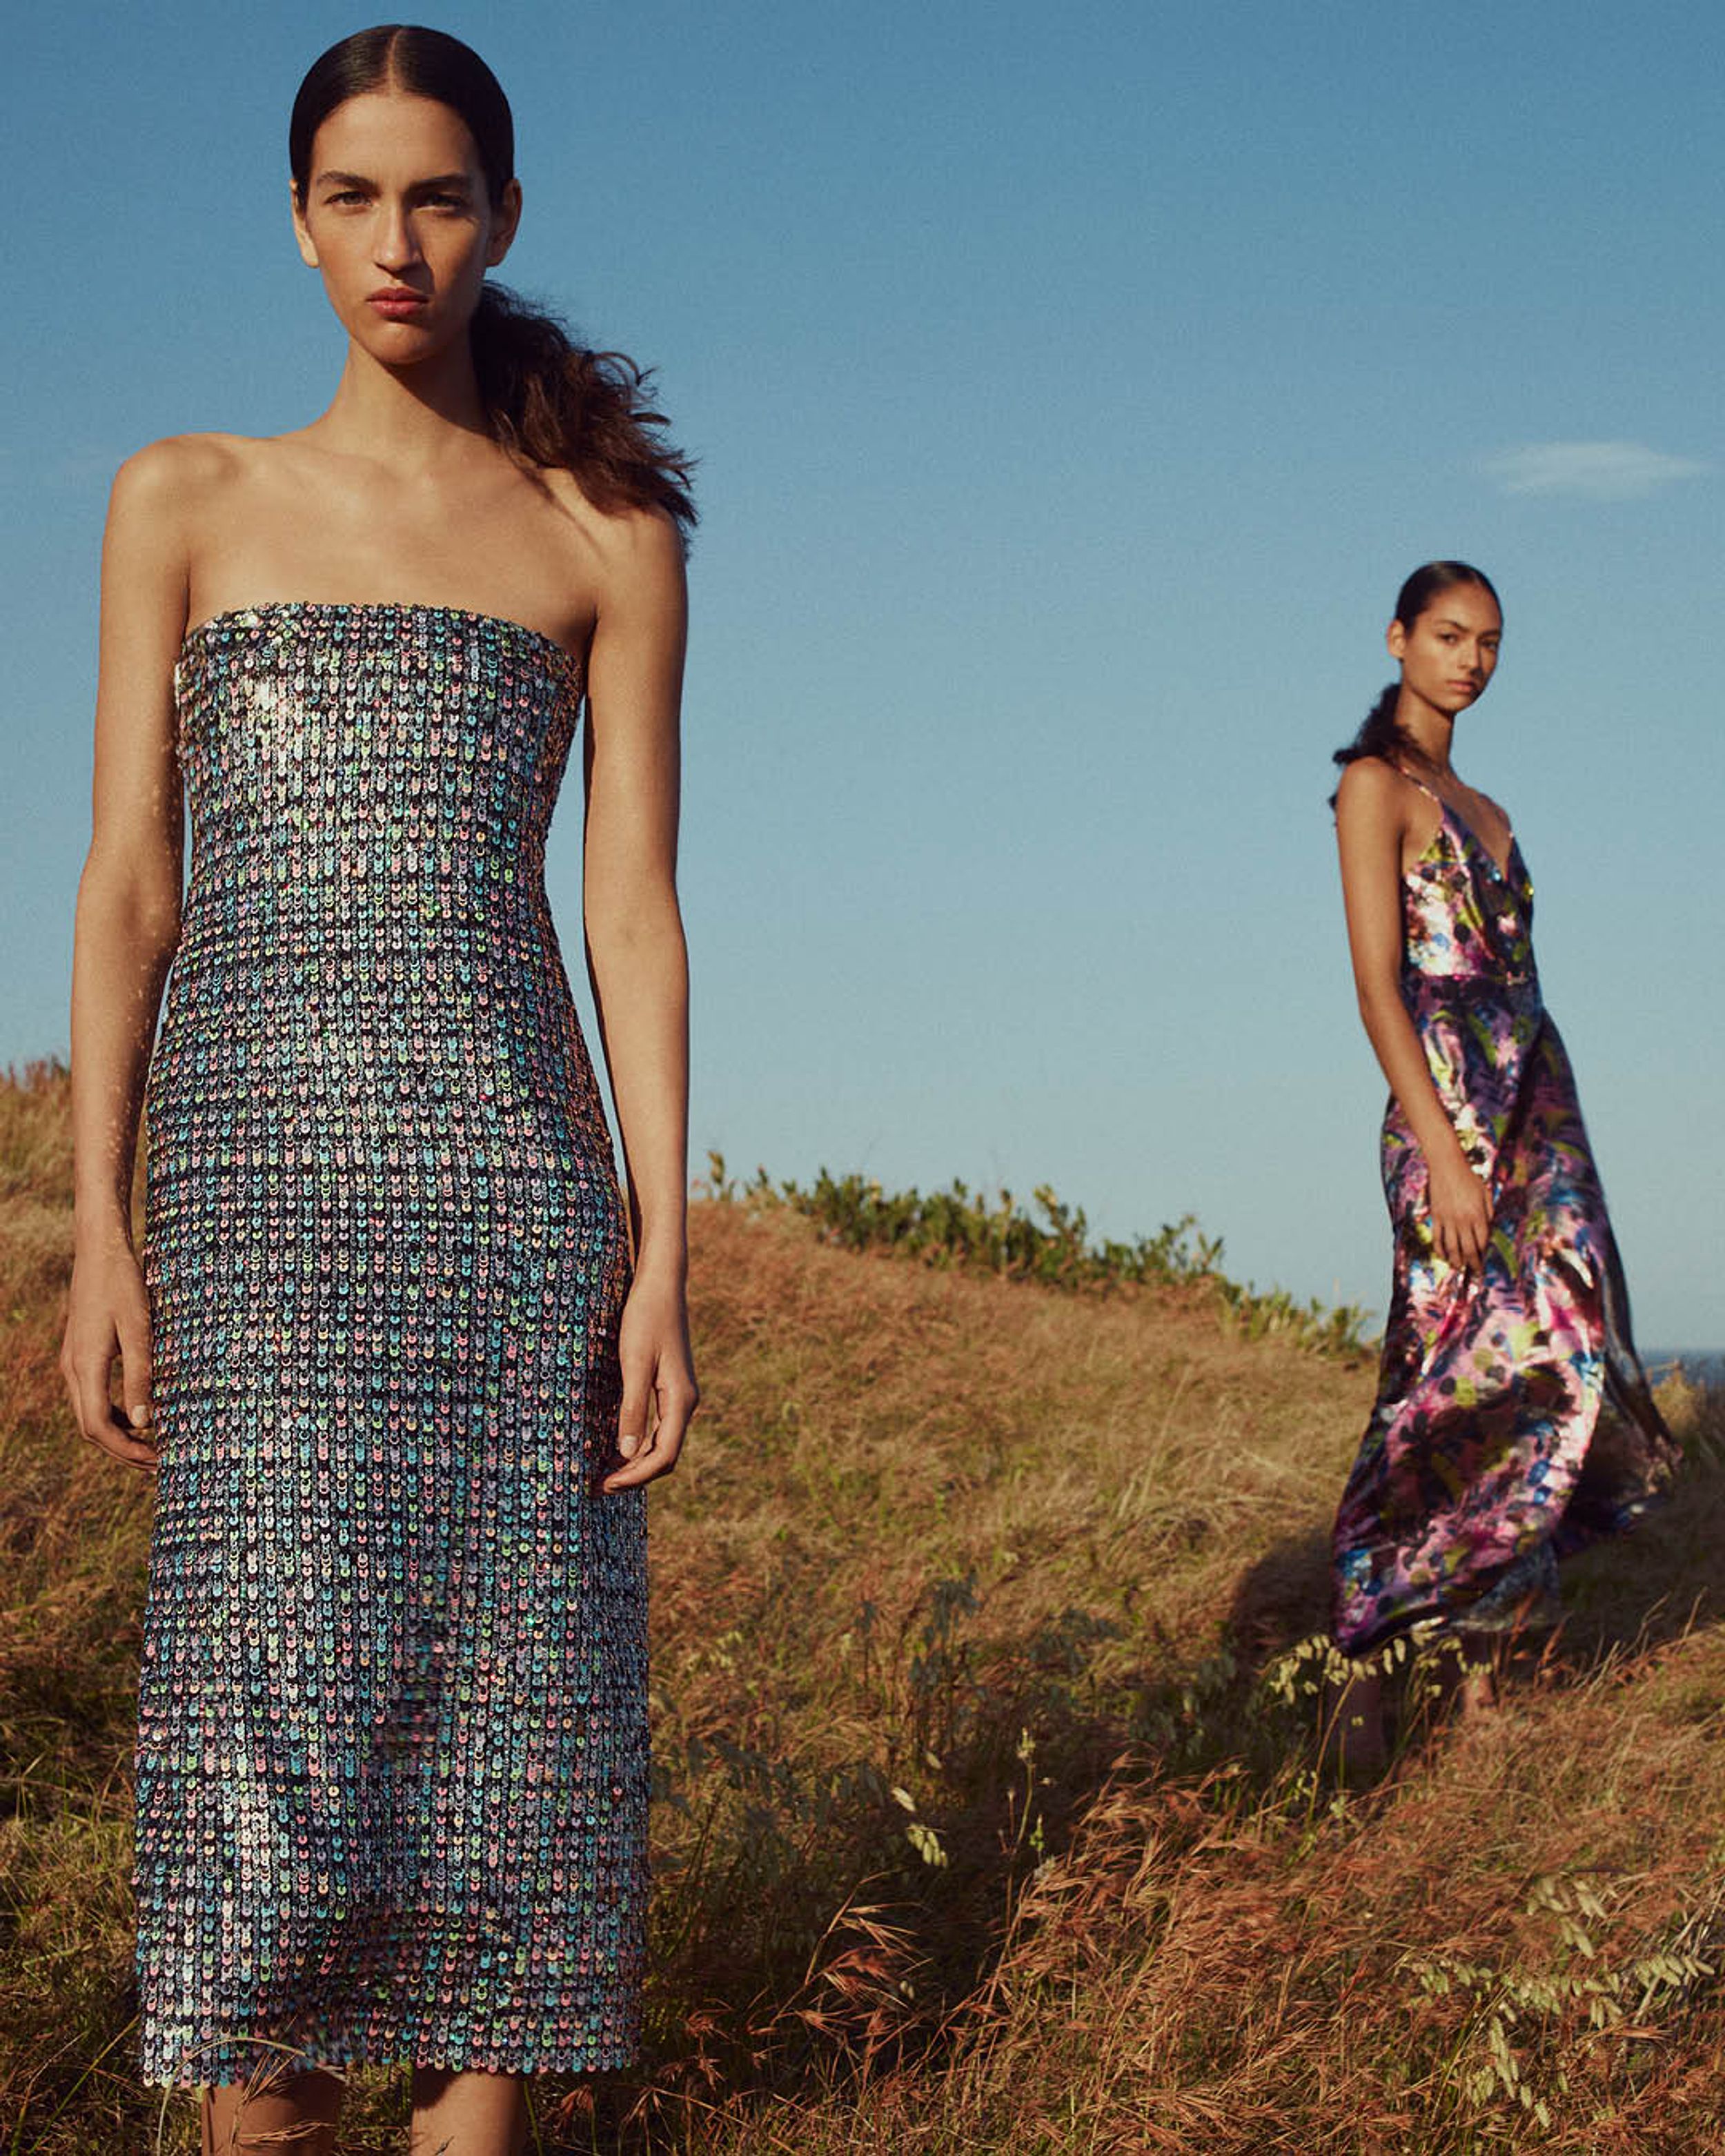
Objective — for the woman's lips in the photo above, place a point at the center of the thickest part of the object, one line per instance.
(397, 302)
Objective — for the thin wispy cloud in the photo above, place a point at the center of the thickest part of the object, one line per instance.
(1596, 471)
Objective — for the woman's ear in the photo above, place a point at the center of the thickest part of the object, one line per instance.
(308, 252)
(504, 220)
(1395, 638)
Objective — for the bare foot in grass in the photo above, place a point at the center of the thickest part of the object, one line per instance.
(1464, 1680)
(1477, 1696)
(1350, 1741)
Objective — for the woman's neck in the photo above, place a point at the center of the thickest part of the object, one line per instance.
(406, 417)
(1428, 731)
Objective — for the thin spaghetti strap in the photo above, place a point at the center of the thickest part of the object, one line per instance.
(1419, 783)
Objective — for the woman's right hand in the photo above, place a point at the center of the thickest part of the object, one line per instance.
(109, 1314)
(1461, 1205)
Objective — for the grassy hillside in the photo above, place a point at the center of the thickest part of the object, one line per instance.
(987, 1820)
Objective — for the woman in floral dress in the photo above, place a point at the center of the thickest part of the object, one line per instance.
(1513, 1421)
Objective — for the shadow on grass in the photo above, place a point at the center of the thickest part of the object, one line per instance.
(818, 1923)
(815, 1926)
(816, 1929)
(1638, 1590)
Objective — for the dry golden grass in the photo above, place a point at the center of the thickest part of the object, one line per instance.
(987, 1819)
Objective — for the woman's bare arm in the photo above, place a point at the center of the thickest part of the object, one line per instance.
(638, 963)
(1371, 817)
(128, 922)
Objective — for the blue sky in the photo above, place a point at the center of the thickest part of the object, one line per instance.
(1073, 389)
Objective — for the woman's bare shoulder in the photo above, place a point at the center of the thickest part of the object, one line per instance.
(186, 460)
(629, 536)
(1370, 787)
(182, 470)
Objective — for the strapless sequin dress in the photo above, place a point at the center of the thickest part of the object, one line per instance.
(392, 1757)
(1513, 1421)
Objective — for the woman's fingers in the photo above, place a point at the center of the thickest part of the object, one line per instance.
(678, 1399)
(1460, 1209)
(87, 1374)
(73, 1379)
(1478, 1225)
(632, 1417)
(658, 1387)
(137, 1373)
(1466, 1245)
(135, 1451)
(108, 1316)
(675, 1396)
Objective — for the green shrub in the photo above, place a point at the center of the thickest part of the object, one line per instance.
(1051, 1246)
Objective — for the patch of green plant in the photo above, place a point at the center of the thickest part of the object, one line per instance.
(1048, 1243)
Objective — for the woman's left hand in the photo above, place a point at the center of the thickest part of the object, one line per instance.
(659, 1394)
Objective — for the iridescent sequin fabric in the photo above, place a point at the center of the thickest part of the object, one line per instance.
(1513, 1421)
(392, 1761)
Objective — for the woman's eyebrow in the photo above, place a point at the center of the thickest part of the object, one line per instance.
(334, 179)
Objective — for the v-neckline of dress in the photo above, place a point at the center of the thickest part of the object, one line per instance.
(1471, 837)
(1501, 869)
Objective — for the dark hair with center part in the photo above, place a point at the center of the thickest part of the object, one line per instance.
(1380, 733)
(549, 400)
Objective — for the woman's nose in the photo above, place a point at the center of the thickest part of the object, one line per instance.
(396, 248)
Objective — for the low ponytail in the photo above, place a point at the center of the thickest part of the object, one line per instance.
(1380, 734)
(552, 402)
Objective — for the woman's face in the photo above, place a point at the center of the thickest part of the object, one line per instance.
(398, 219)
(1447, 657)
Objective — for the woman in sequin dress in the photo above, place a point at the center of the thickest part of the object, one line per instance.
(414, 1355)
(1513, 1421)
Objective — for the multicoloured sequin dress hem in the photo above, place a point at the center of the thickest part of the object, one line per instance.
(1513, 1422)
(392, 1758)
